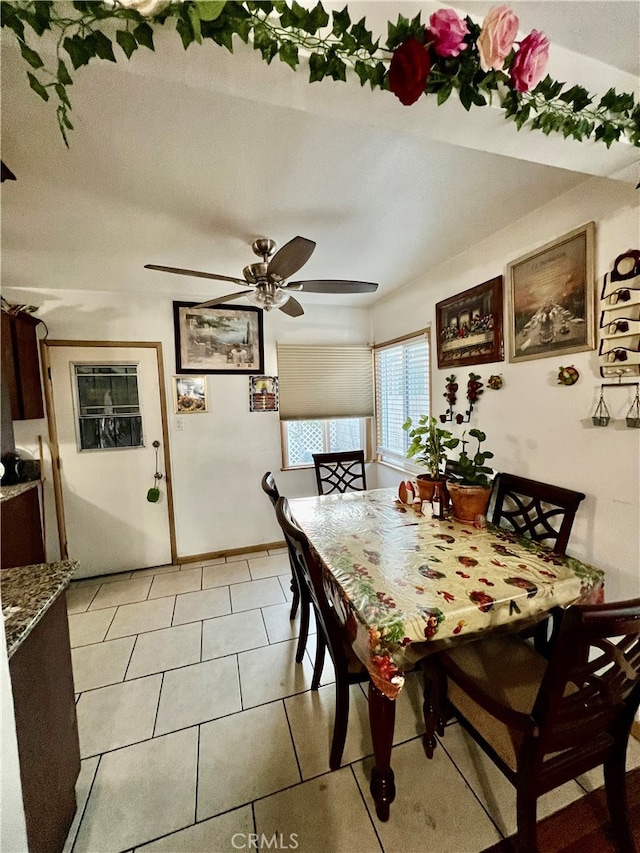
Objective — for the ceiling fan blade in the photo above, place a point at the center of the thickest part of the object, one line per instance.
(290, 258)
(292, 307)
(220, 299)
(195, 273)
(333, 286)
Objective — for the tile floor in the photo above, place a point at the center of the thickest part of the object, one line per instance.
(197, 729)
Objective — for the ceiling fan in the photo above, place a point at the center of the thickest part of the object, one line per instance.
(268, 287)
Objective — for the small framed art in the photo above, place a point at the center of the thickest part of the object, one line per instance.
(190, 394)
(263, 393)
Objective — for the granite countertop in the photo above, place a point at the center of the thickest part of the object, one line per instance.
(8, 492)
(27, 592)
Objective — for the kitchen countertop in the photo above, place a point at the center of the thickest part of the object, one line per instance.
(27, 592)
(8, 492)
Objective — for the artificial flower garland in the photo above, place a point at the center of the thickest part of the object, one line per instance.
(450, 53)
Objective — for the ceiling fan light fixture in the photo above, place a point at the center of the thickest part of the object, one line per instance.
(268, 296)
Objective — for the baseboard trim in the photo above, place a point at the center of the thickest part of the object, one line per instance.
(230, 552)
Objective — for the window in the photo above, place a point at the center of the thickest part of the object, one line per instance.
(301, 439)
(108, 406)
(402, 391)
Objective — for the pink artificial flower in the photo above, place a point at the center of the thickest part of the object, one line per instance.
(448, 32)
(530, 62)
(499, 31)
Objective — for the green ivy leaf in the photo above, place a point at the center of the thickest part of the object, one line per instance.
(104, 48)
(341, 22)
(63, 75)
(11, 19)
(378, 76)
(127, 42)
(317, 19)
(362, 70)
(364, 37)
(144, 35)
(194, 20)
(317, 67)
(288, 54)
(31, 56)
(80, 50)
(185, 31)
(61, 92)
(37, 86)
(466, 96)
(336, 68)
(209, 10)
(444, 92)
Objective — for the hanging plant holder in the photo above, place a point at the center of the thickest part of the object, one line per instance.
(601, 416)
(633, 415)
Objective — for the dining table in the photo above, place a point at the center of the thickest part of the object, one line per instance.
(406, 585)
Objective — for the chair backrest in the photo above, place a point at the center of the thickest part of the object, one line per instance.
(269, 487)
(540, 511)
(340, 472)
(591, 688)
(311, 573)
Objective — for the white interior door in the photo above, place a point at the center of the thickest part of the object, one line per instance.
(108, 412)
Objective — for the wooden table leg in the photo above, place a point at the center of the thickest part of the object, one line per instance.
(382, 717)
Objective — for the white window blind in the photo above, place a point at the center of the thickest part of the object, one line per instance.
(319, 382)
(402, 391)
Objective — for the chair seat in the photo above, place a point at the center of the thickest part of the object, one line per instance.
(507, 670)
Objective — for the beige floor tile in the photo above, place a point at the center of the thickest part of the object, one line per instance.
(118, 715)
(195, 694)
(222, 834)
(262, 593)
(328, 673)
(88, 767)
(269, 566)
(80, 597)
(174, 583)
(100, 664)
(492, 787)
(141, 792)
(595, 778)
(121, 592)
(433, 809)
(225, 573)
(285, 583)
(279, 626)
(325, 814)
(311, 718)
(144, 616)
(204, 604)
(86, 628)
(238, 632)
(271, 672)
(238, 763)
(165, 649)
(155, 570)
(248, 555)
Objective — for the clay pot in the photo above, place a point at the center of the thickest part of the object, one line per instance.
(426, 486)
(468, 501)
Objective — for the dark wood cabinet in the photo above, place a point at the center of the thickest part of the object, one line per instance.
(21, 541)
(46, 729)
(21, 366)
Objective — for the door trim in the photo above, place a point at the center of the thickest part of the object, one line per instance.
(45, 344)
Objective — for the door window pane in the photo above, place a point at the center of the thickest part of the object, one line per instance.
(108, 406)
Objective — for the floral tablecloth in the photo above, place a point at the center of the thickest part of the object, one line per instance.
(406, 584)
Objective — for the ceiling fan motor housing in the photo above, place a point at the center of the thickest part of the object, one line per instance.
(264, 247)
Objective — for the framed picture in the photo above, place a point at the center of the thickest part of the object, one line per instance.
(222, 339)
(552, 298)
(469, 326)
(190, 394)
(263, 393)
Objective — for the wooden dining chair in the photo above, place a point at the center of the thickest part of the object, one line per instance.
(300, 598)
(540, 511)
(331, 632)
(545, 722)
(340, 472)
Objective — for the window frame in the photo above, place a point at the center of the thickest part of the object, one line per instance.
(405, 465)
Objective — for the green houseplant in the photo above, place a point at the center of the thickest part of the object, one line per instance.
(429, 445)
(469, 483)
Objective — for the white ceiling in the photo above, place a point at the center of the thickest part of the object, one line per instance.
(182, 159)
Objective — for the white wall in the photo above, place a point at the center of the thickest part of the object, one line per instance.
(219, 458)
(535, 427)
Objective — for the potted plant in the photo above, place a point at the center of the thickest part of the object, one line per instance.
(429, 445)
(469, 482)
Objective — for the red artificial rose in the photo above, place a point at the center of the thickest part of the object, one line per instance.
(409, 71)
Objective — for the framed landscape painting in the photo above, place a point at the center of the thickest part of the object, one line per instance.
(221, 339)
(469, 326)
(552, 298)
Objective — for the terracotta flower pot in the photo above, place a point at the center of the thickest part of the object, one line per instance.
(468, 501)
(426, 486)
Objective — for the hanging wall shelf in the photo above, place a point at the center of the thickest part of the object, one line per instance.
(601, 417)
